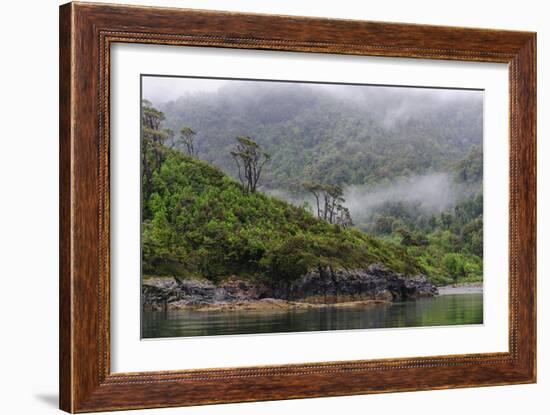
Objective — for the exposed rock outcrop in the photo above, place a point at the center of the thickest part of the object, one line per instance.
(375, 283)
(162, 292)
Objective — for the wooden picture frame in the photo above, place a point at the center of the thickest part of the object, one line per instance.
(86, 33)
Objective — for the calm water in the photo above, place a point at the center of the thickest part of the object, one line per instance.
(438, 311)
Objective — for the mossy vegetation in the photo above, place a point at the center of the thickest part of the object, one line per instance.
(202, 223)
(199, 222)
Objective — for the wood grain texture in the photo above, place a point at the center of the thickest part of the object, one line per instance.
(65, 247)
(86, 33)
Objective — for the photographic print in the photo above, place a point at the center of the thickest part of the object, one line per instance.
(271, 206)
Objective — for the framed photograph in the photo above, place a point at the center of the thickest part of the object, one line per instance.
(259, 207)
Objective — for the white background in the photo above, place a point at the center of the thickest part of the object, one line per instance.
(129, 354)
(28, 208)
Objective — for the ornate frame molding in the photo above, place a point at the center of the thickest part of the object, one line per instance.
(87, 31)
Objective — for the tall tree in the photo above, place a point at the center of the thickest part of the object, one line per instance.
(343, 217)
(316, 189)
(187, 137)
(250, 160)
(330, 203)
(152, 144)
(151, 118)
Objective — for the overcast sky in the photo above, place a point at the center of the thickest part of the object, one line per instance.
(160, 89)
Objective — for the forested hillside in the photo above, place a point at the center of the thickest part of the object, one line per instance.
(355, 136)
(201, 223)
(400, 172)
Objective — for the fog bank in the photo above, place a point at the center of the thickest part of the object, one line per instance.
(432, 193)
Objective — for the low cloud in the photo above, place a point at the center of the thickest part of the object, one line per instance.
(432, 193)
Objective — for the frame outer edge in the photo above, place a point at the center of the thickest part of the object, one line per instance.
(527, 121)
(66, 120)
(523, 114)
(534, 230)
(84, 207)
(82, 389)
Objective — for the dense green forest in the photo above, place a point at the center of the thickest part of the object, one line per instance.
(356, 137)
(206, 216)
(201, 223)
(449, 245)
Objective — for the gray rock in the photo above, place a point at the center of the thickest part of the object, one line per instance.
(326, 286)
(374, 283)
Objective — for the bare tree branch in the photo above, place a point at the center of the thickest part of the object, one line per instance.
(250, 161)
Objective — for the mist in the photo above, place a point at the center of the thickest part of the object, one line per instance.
(430, 193)
(390, 103)
(367, 125)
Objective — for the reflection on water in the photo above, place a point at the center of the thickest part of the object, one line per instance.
(437, 311)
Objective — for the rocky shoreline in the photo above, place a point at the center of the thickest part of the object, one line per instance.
(271, 305)
(465, 288)
(324, 288)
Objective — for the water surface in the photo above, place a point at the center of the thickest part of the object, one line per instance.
(437, 311)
